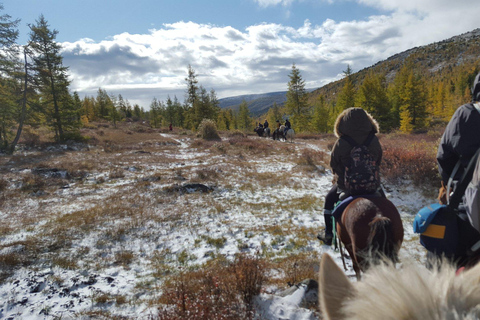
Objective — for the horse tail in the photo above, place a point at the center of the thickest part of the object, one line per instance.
(380, 240)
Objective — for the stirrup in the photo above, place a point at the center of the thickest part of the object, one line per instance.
(325, 237)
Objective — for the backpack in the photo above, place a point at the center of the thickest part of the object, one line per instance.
(472, 197)
(446, 230)
(361, 172)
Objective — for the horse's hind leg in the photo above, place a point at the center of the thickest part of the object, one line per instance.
(355, 261)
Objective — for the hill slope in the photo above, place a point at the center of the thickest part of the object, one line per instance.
(432, 58)
(258, 104)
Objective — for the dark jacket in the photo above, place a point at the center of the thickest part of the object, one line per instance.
(357, 124)
(460, 140)
(287, 124)
(265, 125)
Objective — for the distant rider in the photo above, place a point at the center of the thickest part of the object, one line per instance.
(288, 126)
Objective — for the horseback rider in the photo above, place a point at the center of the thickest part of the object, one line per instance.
(354, 124)
(287, 127)
(459, 167)
(265, 124)
(259, 129)
(460, 140)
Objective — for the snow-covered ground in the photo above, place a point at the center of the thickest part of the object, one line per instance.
(107, 249)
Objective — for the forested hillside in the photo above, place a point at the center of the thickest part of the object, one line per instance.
(411, 90)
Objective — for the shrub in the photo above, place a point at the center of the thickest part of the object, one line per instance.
(410, 157)
(249, 275)
(220, 290)
(208, 130)
(256, 146)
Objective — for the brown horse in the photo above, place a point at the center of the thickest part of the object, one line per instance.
(371, 229)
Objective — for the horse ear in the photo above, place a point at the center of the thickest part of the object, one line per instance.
(334, 289)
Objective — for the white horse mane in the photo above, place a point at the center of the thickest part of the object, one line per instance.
(410, 292)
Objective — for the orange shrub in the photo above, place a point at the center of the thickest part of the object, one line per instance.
(411, 157)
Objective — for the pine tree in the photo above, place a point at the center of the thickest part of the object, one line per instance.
(296, 104)
(51, 77)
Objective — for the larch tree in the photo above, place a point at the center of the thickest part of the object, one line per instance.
(273, 115)
(296, 104)
(319, 122)
(155, 113)
(346, 97)
(372, 96)
(170, 112)
(192, 86)
(114, 113)
(51, 78)
(244, 121)
(412, 96)
(12, 113)
(103, 104)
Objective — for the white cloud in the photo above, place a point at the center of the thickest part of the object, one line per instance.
(268, 3)
(258, 58)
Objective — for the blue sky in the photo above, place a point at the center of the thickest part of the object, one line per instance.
(141, 49)
(100, 19)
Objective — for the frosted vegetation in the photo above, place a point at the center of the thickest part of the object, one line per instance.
(139, 223)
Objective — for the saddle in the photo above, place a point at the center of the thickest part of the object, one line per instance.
(342, 204)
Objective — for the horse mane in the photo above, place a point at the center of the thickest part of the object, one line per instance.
(410, 292)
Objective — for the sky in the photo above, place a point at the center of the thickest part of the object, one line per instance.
(142, 49)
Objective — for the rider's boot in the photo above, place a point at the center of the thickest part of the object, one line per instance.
(326, 235)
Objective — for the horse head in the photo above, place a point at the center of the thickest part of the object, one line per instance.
(412, 292)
